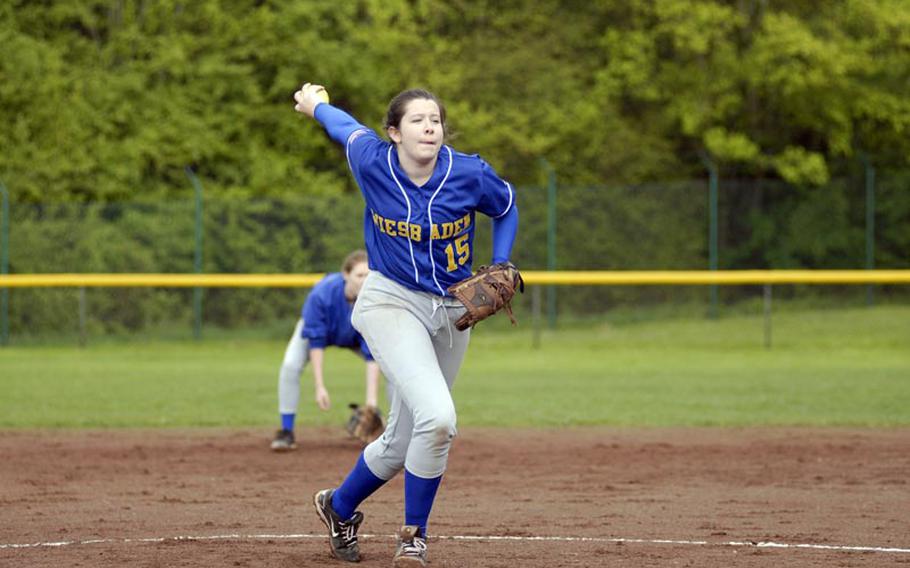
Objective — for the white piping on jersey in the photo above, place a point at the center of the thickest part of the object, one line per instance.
(430, 218)
(347, 146)
(509, 206)
(408, 202)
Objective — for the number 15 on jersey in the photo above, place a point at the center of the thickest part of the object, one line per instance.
(458, 252)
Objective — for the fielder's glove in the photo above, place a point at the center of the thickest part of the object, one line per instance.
(365, 423)
(489, 290)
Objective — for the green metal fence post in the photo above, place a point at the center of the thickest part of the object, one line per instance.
(83, 318)
(712, 229)
(4, 265)
(535, 316)
(197, 259)
(870, 225)
(551, 239)
(766, 294)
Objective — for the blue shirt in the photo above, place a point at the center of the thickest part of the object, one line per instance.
(421, 237)
(327, 317)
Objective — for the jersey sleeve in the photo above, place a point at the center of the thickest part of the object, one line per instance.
(505, 229)
(496, 194)
(338, 124)
(364, 348)
(315, 322)
(344, 129)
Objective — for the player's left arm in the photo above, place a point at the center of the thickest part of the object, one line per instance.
(497, 201)
(372, 373)
(372, 379)
(505, 229)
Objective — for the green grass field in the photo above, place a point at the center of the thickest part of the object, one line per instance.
(826, 367)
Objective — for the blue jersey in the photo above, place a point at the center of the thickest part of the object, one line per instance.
(421, 237)
(327, 317)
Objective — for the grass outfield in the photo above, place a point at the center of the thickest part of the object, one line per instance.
(827, 367)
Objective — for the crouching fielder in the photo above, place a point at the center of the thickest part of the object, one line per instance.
(325, 321)
(421, 199)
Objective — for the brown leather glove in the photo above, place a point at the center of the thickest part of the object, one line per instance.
(489, 290)
(365, 423)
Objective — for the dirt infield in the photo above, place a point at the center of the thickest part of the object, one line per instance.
(608, 497)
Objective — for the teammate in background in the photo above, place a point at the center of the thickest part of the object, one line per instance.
(421, 198)
(325, 321)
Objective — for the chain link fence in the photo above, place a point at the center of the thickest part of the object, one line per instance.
(662, 226)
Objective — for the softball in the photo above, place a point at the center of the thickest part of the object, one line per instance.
(322, 95)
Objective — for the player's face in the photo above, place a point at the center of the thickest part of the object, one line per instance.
(420, 133)
(353, 280)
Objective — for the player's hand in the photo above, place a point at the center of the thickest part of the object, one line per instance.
(322, 398)
(307, 97)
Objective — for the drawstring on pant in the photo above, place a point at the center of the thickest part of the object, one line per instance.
(448, 323)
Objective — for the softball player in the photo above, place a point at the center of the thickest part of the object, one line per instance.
(421, 199)
(325, 320)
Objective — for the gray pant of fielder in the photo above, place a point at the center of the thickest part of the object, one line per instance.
(412, 336)
(295, 359)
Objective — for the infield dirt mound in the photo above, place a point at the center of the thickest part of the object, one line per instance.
(842, 487)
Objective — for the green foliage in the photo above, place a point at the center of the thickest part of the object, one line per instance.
(295, 234)
(643, 227)
(105, 102)
(731, 146)
(109, 99)
(798, 166)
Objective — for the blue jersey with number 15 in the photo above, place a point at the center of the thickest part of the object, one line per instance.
(421, 237)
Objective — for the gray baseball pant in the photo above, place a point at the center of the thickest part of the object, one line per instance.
(412, 336)
(295, 359)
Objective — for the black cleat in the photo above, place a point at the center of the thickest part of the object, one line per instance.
(342, 533)
(284, 441)
(412, 548)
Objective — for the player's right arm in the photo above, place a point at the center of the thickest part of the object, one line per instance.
(321, 394)
(337, 123)
(308, 98)
(316, 331)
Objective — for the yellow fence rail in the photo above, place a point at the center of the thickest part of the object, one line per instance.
(531, 277)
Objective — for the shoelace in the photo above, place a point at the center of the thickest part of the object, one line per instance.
(348, 533)
(418, 546)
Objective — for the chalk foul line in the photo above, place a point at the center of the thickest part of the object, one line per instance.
(733, 543)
